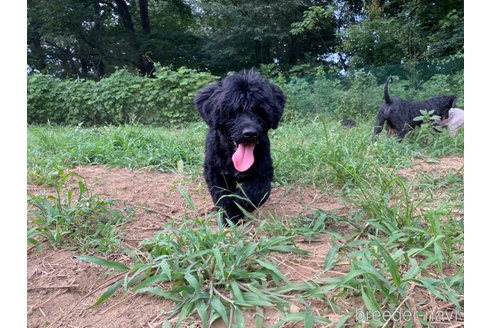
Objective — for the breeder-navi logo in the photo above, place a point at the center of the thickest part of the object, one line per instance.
(406, 316)
(365, 316)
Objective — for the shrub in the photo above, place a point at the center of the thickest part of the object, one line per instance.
(121, 98)
(442, 84)
(362, 97)
(358, 95)
(306, 99)
(43, 99)
(167, 99)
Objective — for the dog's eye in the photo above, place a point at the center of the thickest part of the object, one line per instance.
(261, 114)
(259, 111)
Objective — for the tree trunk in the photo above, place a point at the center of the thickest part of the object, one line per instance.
(98, 58)
(37, 51)
(266, 51)
(124, 15)
(258, 52)
(144, 15)
(144, 64)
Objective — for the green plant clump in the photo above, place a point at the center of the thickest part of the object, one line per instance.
(75, 219)
(216, 273)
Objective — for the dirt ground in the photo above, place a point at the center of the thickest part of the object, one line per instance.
(61, 289)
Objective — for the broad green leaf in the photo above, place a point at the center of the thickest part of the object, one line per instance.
(351, 275)
(110, 291)
(192, 281)
(369, 298)
(259, 317)
(239, 317)
(438, 255)
(256, 299)
(308, 317)
(288, 249)
(395, 274)
(151, 281)
(299, 317)
(166, 269)
(236, 291)
(413, 271)
(247, 251)
(218, 262)
(99, 261)
(187, 198)
(343, 320)
(185, 311)
(330, 256)
(159, 291)
(273, 268)
(219, 307)
(430, 287)
(202, 308)
(428, 261)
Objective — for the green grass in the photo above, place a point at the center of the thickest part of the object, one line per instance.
(317, 152)
(72, 217)
(404, 241)
(324, 152)
(51, 148)
(217, 273)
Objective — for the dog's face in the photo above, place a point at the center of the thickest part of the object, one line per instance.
(245, 129)
(245, 92)
(243, 107)
(442, 105)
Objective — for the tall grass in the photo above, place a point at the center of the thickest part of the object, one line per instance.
(51, 148)
(313, 153)
(324, 152)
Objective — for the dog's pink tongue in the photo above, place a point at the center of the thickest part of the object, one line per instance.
(243, 158)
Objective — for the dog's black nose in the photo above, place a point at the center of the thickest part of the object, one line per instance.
(250, 134)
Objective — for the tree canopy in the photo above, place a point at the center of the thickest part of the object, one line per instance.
(91, 38)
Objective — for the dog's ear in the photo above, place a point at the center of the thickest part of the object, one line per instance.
(277, 107)
(206, 102)
(450, 103)
(454, 101)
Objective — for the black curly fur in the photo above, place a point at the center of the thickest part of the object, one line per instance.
(239, 108)
(399, 114)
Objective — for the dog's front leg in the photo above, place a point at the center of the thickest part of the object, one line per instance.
(378, 127)
(222, 189)
(253, 193)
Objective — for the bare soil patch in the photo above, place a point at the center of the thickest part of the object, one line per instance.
(451, 163)
(62, 289)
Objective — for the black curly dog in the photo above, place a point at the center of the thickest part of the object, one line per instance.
(239, 110)
(399, 114)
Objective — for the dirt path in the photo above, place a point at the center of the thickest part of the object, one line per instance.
(61, 289)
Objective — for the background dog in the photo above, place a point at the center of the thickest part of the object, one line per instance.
(399, 114)
(239, 110)
(454, 122)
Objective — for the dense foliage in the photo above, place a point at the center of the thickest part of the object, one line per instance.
(167, 100)
(359, 95)
(121, 98)
(91, 38)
